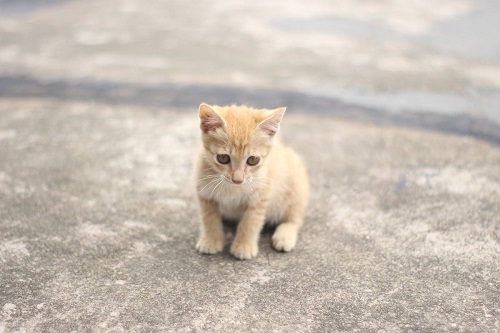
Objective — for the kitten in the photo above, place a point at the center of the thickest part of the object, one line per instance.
(246, 173)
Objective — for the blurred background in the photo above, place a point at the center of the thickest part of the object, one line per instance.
(394, 105)
(419, 63)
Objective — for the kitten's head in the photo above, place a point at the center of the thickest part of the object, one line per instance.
(237, 139)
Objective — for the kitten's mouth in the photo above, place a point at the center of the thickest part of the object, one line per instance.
(229, 181)
(232, 182)
(236, 184)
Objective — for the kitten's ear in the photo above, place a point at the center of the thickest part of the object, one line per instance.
(210, 120)
(272, 124)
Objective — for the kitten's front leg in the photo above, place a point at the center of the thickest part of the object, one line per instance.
(245, 244)
(212, 236)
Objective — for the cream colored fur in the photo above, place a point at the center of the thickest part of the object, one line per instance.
(275, 190)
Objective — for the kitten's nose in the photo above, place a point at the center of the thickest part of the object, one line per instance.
(237, 177)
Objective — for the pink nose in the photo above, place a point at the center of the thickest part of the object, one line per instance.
(237, 181)
(237, 177)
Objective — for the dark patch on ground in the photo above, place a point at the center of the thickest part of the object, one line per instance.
(17, 7)
(190, 95)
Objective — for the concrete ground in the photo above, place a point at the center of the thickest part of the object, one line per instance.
(394, 107)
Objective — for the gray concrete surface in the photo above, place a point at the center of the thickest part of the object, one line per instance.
(393, 105)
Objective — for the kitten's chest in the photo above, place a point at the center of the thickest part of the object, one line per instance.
(232, 204)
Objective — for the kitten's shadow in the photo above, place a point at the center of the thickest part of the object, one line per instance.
(231, 225)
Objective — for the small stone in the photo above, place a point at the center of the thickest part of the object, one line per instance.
(9, 307)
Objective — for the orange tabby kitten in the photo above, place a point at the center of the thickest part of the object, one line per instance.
(246, 173)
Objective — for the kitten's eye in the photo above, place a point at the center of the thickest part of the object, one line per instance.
(253, 160)
(223, 158)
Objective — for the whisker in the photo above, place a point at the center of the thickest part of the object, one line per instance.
(208, 177)
(262, 186)
(262, 190)
(255, 187)
(221, 189)
(220, 181)
(248, 189)
(262, 179)
(252, 187)
(209, 183)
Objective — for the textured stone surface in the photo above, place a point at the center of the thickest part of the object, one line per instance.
(98, 129)
(99, 226)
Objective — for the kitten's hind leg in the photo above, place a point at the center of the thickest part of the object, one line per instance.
(285, 236)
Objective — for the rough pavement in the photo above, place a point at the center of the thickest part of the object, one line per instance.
(99, 226)
(98, 129)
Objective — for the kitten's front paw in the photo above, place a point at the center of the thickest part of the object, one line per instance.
(210, 245)
(242, 250)
(284, 238)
